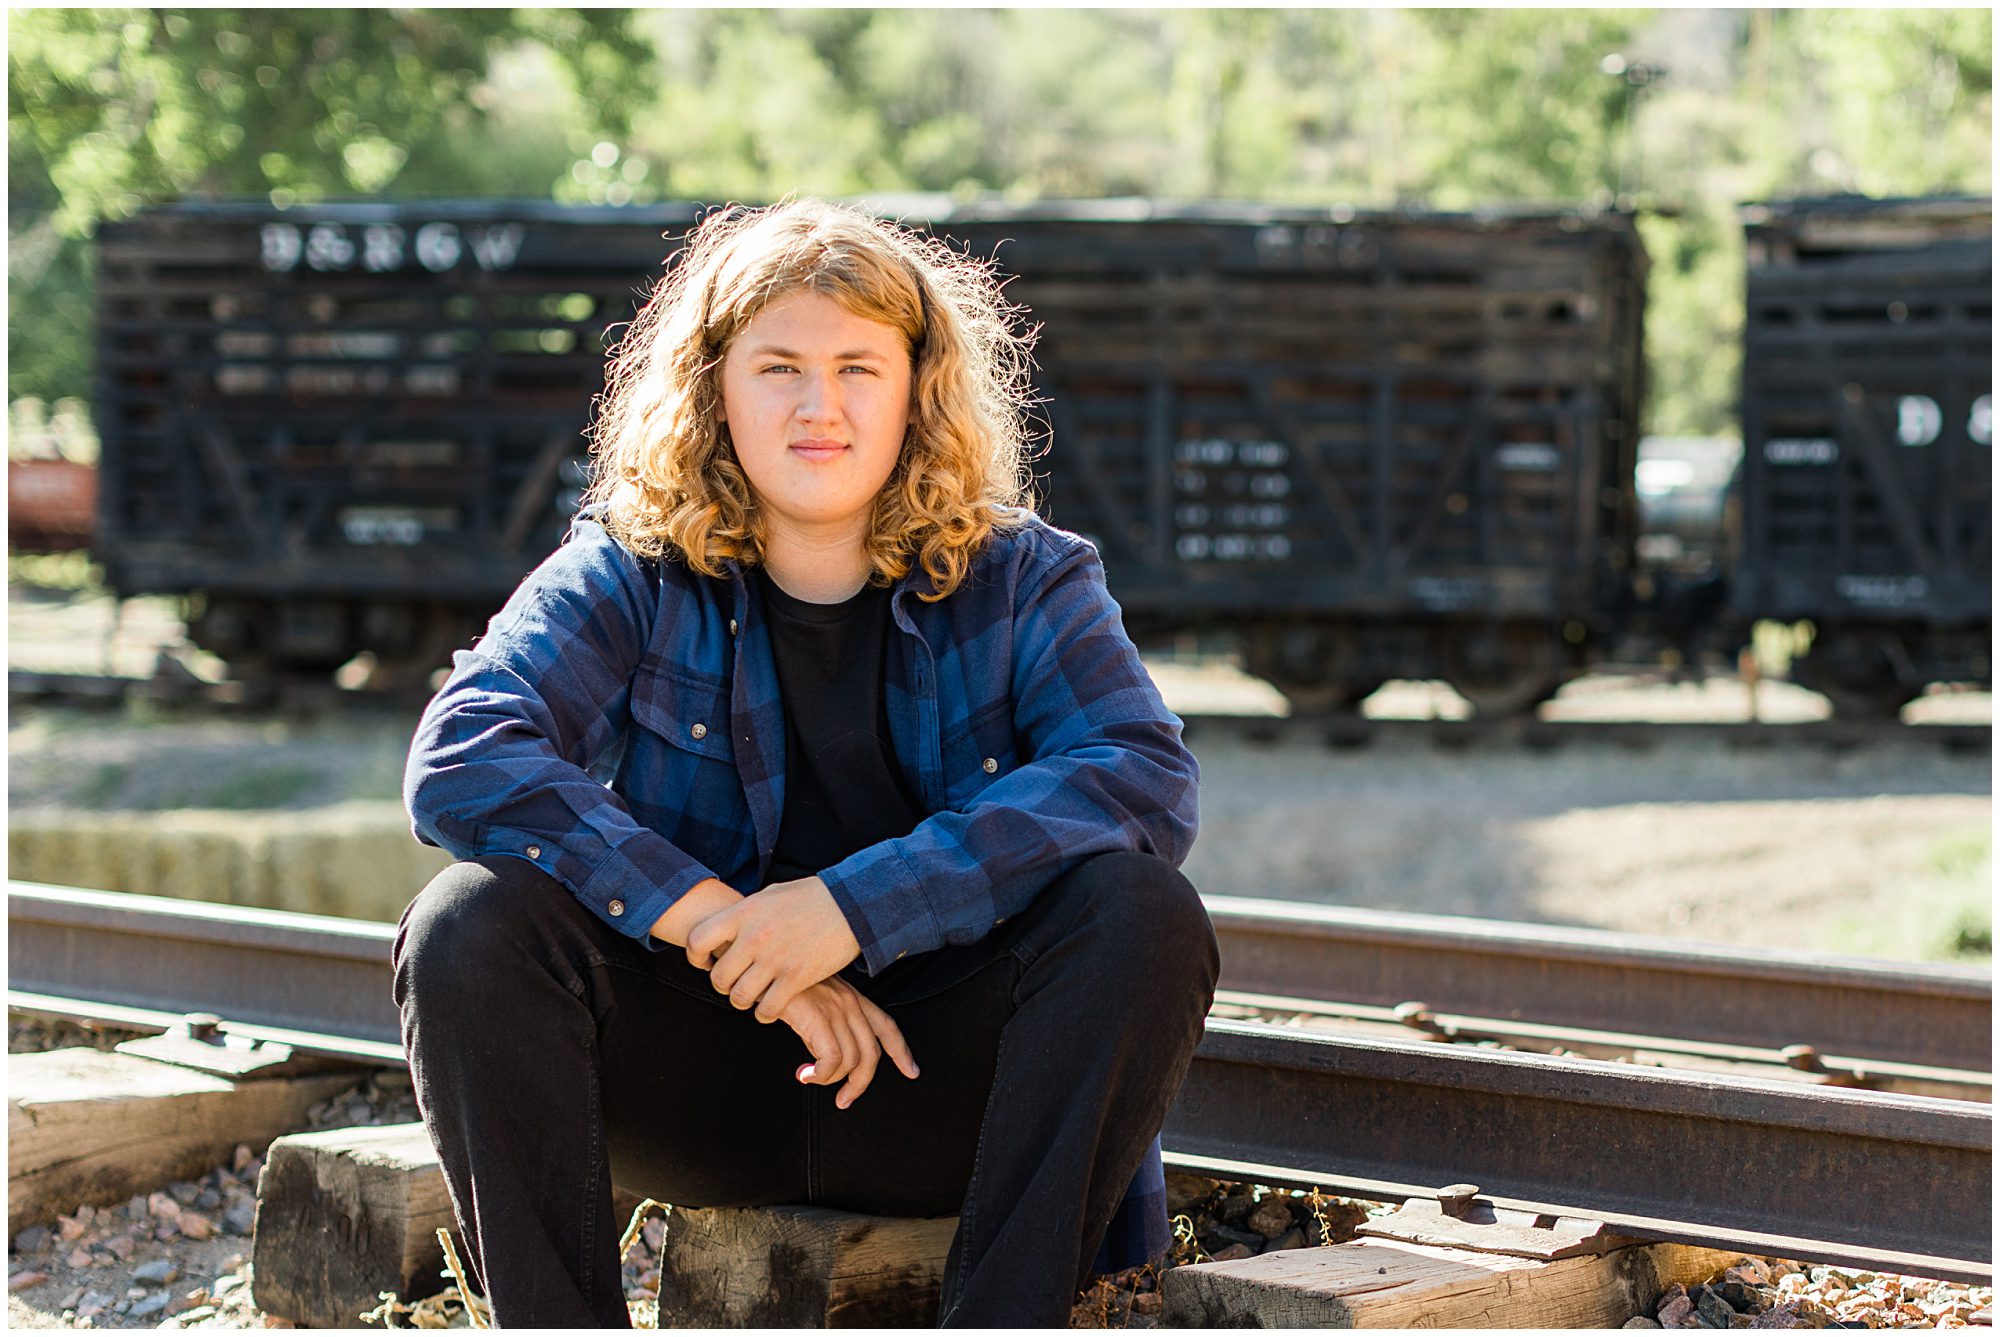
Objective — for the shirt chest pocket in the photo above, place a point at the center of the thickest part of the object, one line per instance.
(979, 752)
(680, 775)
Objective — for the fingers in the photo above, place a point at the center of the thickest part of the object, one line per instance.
(832, 1046)
(748, 988)
(730, 967)
(783, 989)
(891, 1037)
(708, 938)
(869, 1054)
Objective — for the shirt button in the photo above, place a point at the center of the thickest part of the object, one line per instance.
(732, 626)
(699, 731)
(534, 851)
(616, 908)
(998, 922)
(989, 765)
(900, 955)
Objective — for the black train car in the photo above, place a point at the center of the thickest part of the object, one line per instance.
(352, 427)
(1374, 445)
(1866, 486)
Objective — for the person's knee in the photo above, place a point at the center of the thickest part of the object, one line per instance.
(463, 924)
(1151, 913)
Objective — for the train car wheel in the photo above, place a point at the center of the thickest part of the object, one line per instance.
(1504, 676)
(1314, 668)
(1856, 676)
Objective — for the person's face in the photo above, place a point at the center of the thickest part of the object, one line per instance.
(816, 400)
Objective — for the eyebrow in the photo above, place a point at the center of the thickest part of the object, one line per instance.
(852, 355)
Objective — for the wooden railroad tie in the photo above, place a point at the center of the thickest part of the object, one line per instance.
(346, 1214)
(1451, 1263)
(85, 1126)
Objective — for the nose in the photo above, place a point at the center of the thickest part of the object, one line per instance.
(820, 397)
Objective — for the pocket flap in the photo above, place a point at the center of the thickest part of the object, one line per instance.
(691, 714)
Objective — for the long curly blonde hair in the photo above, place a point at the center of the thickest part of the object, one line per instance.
(665, 468)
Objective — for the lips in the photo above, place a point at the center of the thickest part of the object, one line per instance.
(817, 448)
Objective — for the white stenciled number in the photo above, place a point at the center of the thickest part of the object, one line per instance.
(437, 246)
(280, 246)
(327, 247)
(1918, 420)
(1979, 423)
(381, 248)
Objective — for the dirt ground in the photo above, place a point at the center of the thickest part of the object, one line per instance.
(1878, 851)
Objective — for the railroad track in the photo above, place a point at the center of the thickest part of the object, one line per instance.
(25, 687)
(1787, 1104)
(1355, 731)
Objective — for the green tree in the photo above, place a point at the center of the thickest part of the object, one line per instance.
(110, 109)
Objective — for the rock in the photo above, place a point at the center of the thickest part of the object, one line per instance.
(207, 1201)
(1677, 1310)
(73, 1227)
(1249, 1239)
(1641, 1321)
(78, 1258)
(273, 1321)
(92, 1304)
(1743, 1299)
(184, 1193)
(242, 1157)
(33, 1240)
(1714, 1310)
(1146, 1302)
(180, 1304)
(165, 1230)
(1781, 1316)
(241, 1218)
(196, 1226)
(121, 1247)
(1235, 1207)
(193, 1316)
(1231, 1253)
(72, 1300)
(225, 1284)
(1184, 1191)
(21, 1281)
(1270, 1218)
(135, 1210)
(149, 1306)
(162, 1207)
(158, 1272)
(1291, 1239)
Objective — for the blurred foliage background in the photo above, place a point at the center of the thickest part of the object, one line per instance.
(1682, 114)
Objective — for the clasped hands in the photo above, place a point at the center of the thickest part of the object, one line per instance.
(778, 952)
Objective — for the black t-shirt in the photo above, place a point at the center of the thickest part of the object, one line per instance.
(843, 788)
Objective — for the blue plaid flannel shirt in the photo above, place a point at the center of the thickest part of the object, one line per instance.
(619, 726)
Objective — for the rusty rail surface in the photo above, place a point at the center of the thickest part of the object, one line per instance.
(1894, 1182)
(1935, 1014)
(1527, 731)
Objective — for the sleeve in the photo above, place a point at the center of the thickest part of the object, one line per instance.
(502, 759)
(1105, 771)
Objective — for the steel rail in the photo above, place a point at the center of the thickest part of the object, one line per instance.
(1935, 1015)
(1900, 1183)
(263, 971)
(1345, 731)
(1890, 1182)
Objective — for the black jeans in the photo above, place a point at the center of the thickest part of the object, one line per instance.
(553, 1057)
